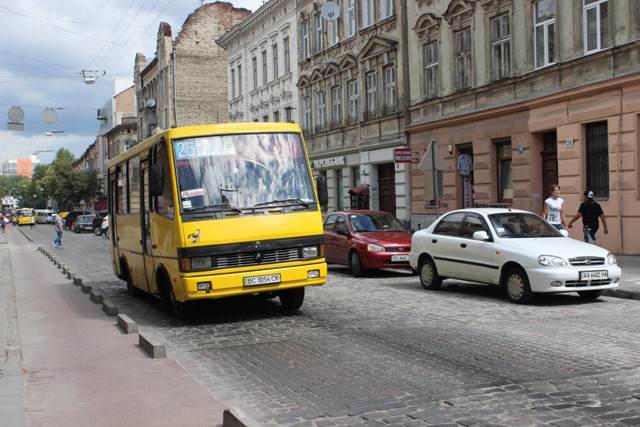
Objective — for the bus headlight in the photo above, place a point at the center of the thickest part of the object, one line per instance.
(310, 252)
(200, 263)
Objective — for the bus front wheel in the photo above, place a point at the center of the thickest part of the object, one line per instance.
(292, 299)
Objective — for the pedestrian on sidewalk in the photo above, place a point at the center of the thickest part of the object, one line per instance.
(33, 220)
(590, 211)
(552, 212)
(57, 223)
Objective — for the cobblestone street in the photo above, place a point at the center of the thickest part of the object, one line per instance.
(381, 350)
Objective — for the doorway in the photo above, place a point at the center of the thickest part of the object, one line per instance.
(549, 163)
(387, 186)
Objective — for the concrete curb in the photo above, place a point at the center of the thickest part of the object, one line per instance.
(236, 417)
(152, 347)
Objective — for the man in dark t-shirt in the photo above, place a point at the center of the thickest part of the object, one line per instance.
(590, 211)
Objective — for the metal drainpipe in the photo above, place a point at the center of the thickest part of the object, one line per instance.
(175, 110)
(619, 173)
(406, 86)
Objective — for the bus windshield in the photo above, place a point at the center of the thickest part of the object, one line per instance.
(242, 171)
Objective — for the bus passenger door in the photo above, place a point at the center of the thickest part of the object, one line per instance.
(145, 224)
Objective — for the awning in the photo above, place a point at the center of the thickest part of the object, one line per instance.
(360, 190)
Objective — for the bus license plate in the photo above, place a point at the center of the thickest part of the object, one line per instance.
(267, 279)
(399, 258)
(590, 275)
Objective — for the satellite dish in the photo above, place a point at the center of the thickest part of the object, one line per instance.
(151, 102)
(49, 115)
(330, 11)
(16, 114)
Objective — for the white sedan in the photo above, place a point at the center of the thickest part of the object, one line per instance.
(514, 249)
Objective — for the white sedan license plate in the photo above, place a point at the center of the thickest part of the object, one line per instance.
(267, 279)
(399, 258)
(590, 275)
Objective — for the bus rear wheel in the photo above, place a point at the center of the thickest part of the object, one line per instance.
(292, 299)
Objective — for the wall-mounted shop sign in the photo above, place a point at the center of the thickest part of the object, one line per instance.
(330, 162)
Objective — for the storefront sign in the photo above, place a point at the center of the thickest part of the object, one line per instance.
(402, 155)
(330, 162)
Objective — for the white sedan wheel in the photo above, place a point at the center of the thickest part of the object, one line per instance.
(517, 286)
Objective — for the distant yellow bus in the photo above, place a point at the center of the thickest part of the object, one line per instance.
(215, 211)
(25, 216)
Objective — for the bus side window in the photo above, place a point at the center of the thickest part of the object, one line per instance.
(165, 193)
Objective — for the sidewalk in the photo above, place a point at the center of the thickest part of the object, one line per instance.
(68, 364)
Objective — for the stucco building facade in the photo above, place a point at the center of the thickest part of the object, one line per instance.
(351, 100)
(520, 94)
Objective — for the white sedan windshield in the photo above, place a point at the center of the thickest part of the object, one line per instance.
(242, 171)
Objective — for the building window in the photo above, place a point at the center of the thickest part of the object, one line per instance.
(274, 51)
(276, 116)
(368, 13)
(336, 106)
(431, 70)
(372, 94)
(332, 32)
(354, 105)
(321, 109)
(306, 114)
(265, 118)
(463, 58)
(239, 80)
(350, 18)
(233, 83)
(287, 55)
(265, 79)
(386, 8)
(304, 39)
(390, 90)
(500, 47)
(254, 63)
(544, 39)
(597, 145)
(596, 25)
(317, 32)
(505, 179)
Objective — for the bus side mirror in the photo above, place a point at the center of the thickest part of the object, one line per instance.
(156, 180)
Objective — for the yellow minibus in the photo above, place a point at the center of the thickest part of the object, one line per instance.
(25, 216)
(214, 211)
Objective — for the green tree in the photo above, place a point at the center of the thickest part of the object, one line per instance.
(68, 186)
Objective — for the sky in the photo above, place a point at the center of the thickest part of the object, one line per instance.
(48, 45)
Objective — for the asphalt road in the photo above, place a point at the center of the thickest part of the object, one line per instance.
(381, 350)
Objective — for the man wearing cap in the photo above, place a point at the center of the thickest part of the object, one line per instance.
(590, 211)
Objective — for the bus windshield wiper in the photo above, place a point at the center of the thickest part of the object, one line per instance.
(292, 200)
(217, 208)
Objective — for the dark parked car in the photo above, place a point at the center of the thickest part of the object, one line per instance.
(365, 239)
(83, 223)
(72, 215)
(97, 222)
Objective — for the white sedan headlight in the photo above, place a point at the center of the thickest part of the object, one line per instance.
(551, 261)
(375, 248)
(611, 259)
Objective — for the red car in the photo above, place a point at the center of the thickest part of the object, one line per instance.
(365, 239)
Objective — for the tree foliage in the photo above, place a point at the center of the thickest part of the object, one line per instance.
(59, 180)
